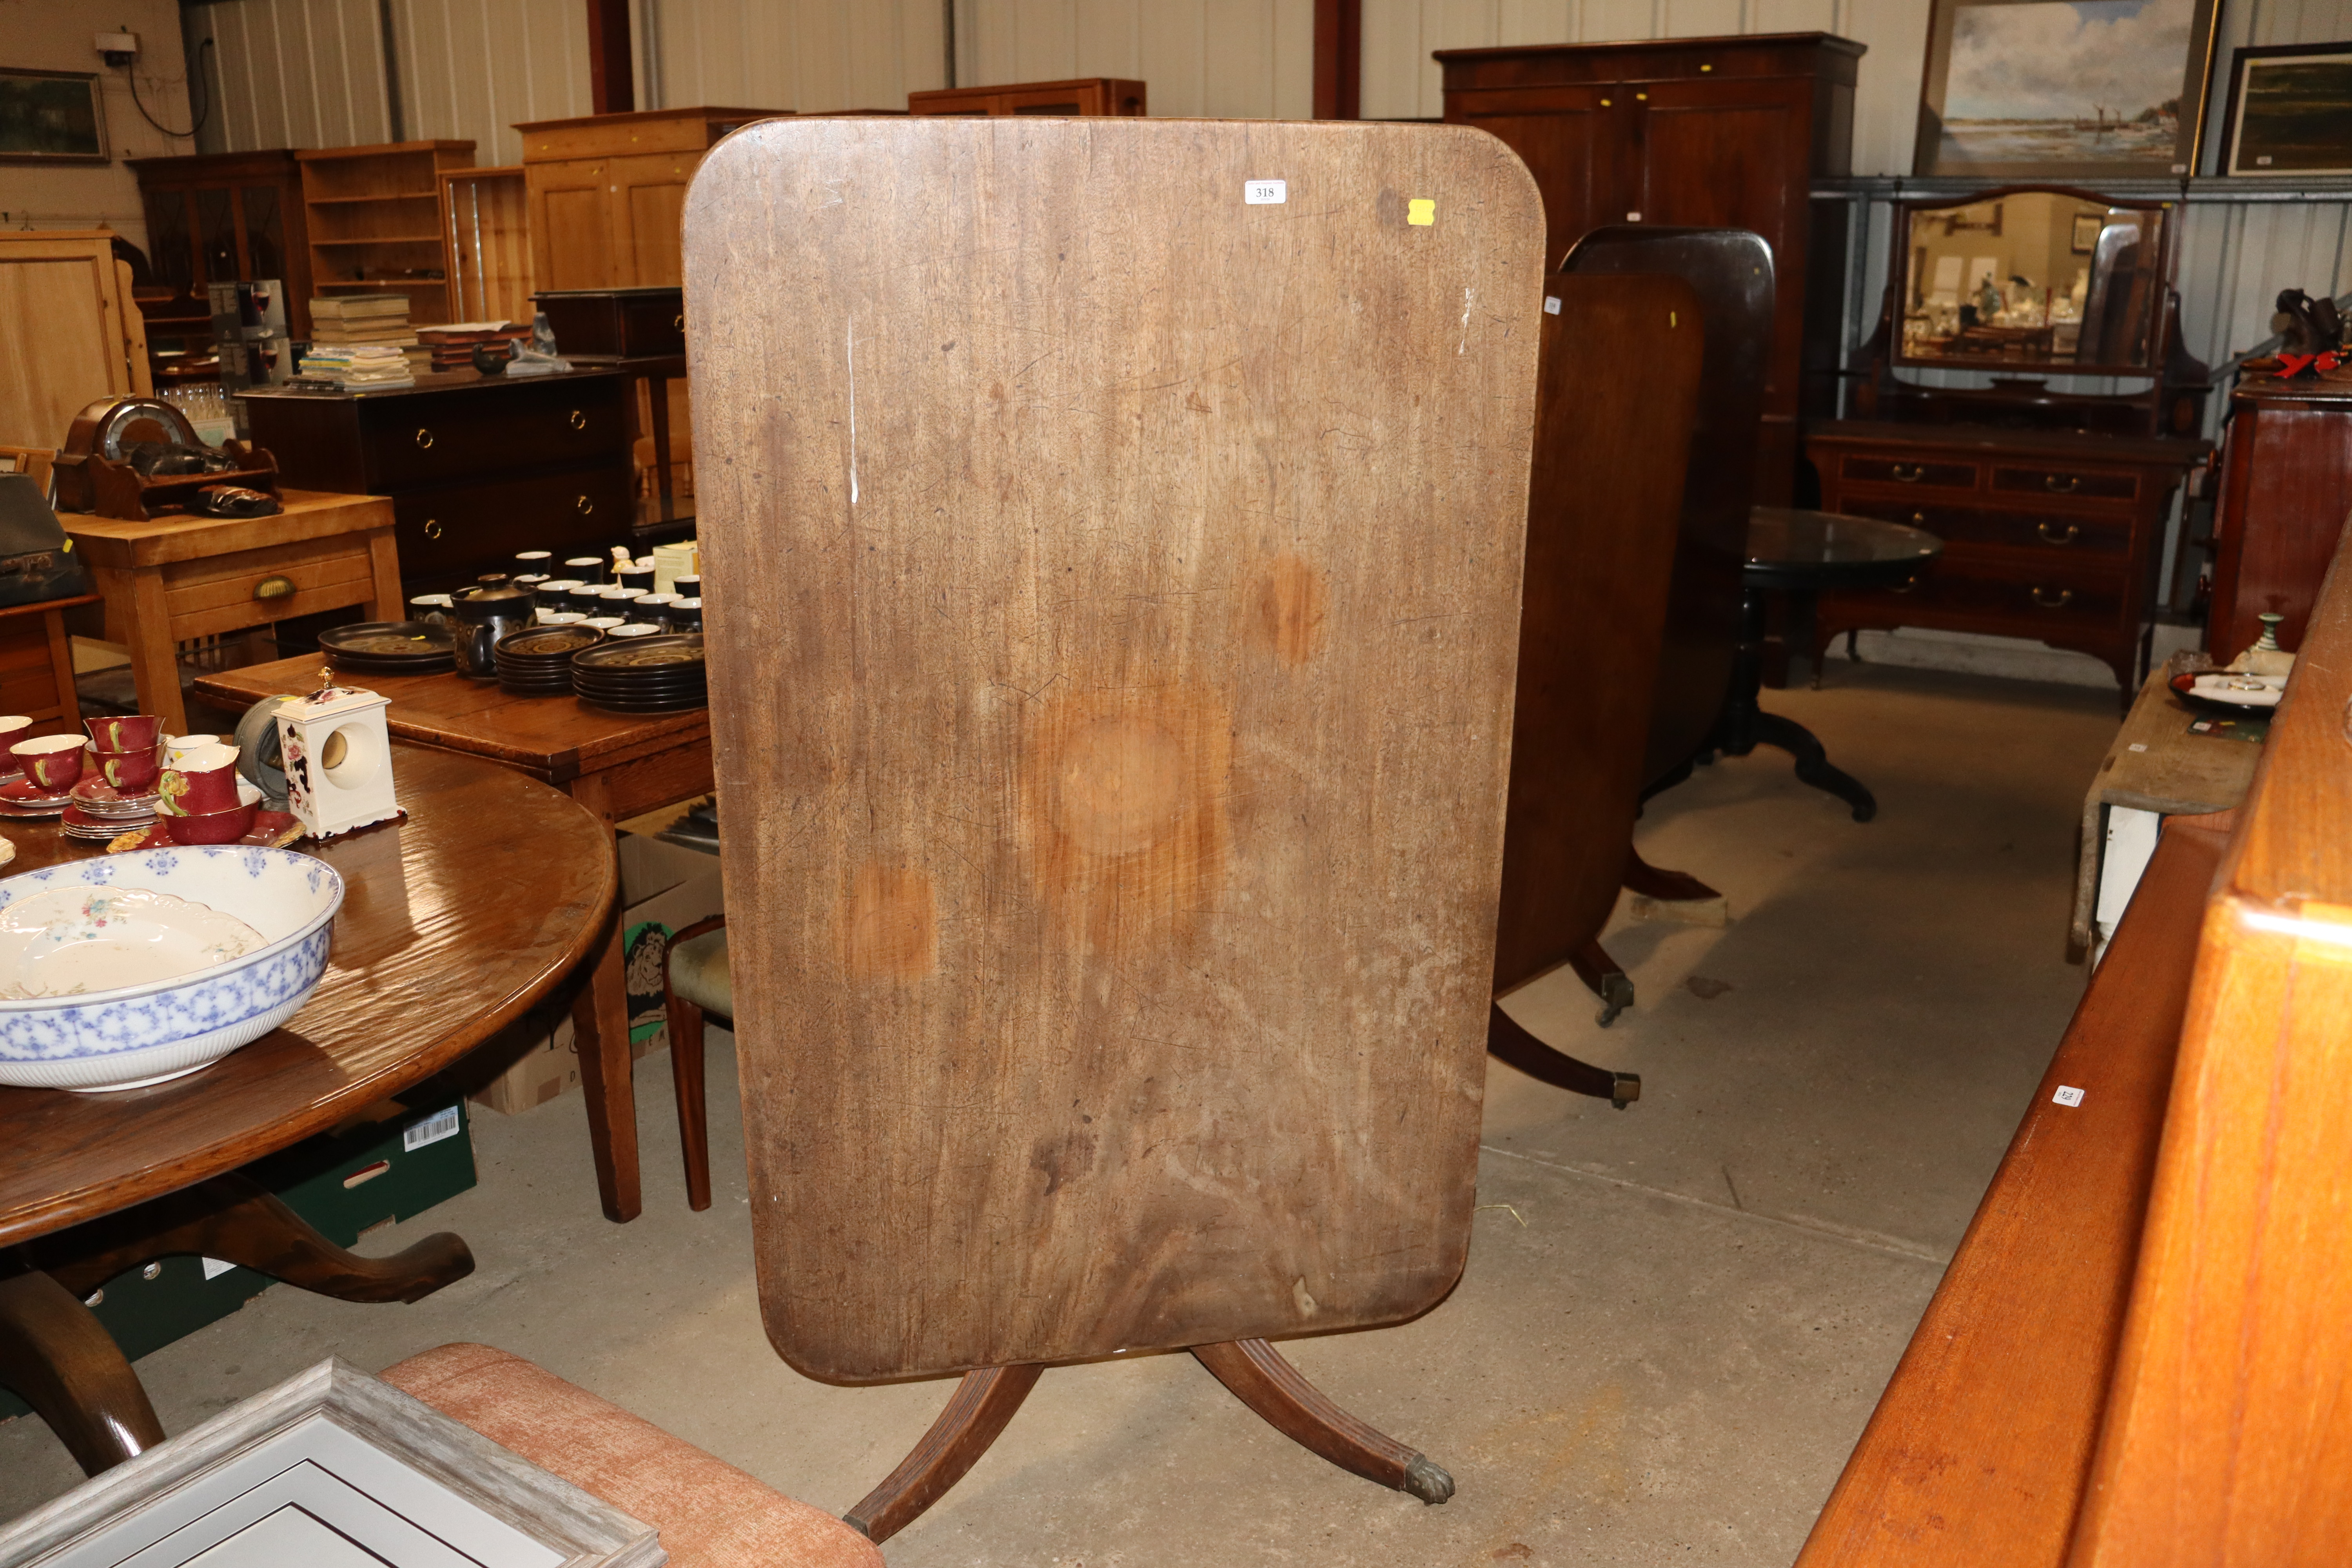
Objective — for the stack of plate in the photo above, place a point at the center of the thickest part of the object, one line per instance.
(643, 675)
(96, 810)
(537, 662)
(390, 647)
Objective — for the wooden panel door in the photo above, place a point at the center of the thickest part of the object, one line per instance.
(1730, 154)
(1116, 752)
(571, 227)
(63, 317)
(648, 194)
(1572, 140)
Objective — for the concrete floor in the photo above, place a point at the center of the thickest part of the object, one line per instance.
(1676, 1318)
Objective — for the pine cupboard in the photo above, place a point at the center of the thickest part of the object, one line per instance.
(1695, 133)
(606, 192)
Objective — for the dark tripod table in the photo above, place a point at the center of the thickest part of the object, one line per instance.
(1800, 554)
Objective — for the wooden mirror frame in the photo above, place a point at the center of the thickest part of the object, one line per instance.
(2159, 323)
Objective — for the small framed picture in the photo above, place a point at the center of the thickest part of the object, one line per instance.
(2086, 233)
(2290, 111)
(51, 117)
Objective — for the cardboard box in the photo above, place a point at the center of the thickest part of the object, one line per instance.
(665, 889)
(391, 1162)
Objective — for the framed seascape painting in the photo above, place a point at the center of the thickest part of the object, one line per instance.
(51, 117)
(2076, 89)
(2290, 110)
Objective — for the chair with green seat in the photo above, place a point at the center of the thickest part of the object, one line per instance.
(695, 983)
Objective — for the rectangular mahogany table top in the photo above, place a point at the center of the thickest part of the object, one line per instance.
(155, 541)
(553, 738)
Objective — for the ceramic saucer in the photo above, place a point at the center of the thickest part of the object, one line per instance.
(98, 798)
(26, 796)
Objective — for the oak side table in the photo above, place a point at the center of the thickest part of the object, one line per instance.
(170, 579)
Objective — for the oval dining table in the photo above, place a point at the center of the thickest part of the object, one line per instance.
(492, 890)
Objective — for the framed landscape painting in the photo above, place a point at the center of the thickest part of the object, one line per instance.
(51, 117)
(2075, 90)
(2290, 111)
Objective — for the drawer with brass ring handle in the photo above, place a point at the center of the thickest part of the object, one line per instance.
(432, 528)
(2065, 598)
(1906, 586)
(1909, 473)
(2074, 531)
(579, 421)
(584, 504)
(279, 587)
(424, 439)
(2061, 484)
(679, 324)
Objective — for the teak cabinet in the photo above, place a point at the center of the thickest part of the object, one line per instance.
(70, 331)
(224, 218)
(605, 193)
(2286, 487)
(1692, 133)
(2055, 535)
(1083, 95)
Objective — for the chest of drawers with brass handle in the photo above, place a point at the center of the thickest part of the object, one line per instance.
(2055, 537)
(556, 449)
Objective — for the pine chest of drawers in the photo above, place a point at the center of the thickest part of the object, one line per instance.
(2052, 536)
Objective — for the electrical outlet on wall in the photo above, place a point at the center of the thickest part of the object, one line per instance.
(117, 49)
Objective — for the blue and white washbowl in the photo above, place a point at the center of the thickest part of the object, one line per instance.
(143, 1032)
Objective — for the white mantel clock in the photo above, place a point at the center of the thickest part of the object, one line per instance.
(337, 750)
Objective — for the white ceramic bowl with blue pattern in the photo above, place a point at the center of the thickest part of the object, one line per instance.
(144, 1034)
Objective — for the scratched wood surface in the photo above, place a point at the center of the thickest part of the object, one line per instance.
(1113, 595)
(1617, 388)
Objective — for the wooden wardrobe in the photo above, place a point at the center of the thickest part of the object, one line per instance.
(1698, 132)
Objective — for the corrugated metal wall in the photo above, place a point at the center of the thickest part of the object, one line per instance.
(310, 73)
(1249, 59)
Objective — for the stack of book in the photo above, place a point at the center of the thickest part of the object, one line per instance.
(359, 364)
(452, 346)
(374, 320)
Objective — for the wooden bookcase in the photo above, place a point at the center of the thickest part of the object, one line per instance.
(378, 218)
(486, 241)
(1084, 96)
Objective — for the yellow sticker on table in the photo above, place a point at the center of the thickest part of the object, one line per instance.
(1422, 211)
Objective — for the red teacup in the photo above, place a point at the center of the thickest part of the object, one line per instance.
(132, 770)
(52, 761)
(205, 780)
(126, 733)
(209, 826)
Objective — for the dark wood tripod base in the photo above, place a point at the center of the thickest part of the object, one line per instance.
(62, 1361)
(1507, 1041)
(1253, 1370)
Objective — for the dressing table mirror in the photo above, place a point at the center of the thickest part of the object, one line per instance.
(2027, 401)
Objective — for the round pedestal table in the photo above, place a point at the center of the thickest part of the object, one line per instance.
(490, 893)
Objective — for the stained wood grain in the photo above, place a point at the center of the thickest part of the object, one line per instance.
(1113, 600)
(1978, 1452)
(2229, 1428)
(452, 923)
(1618, 387)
